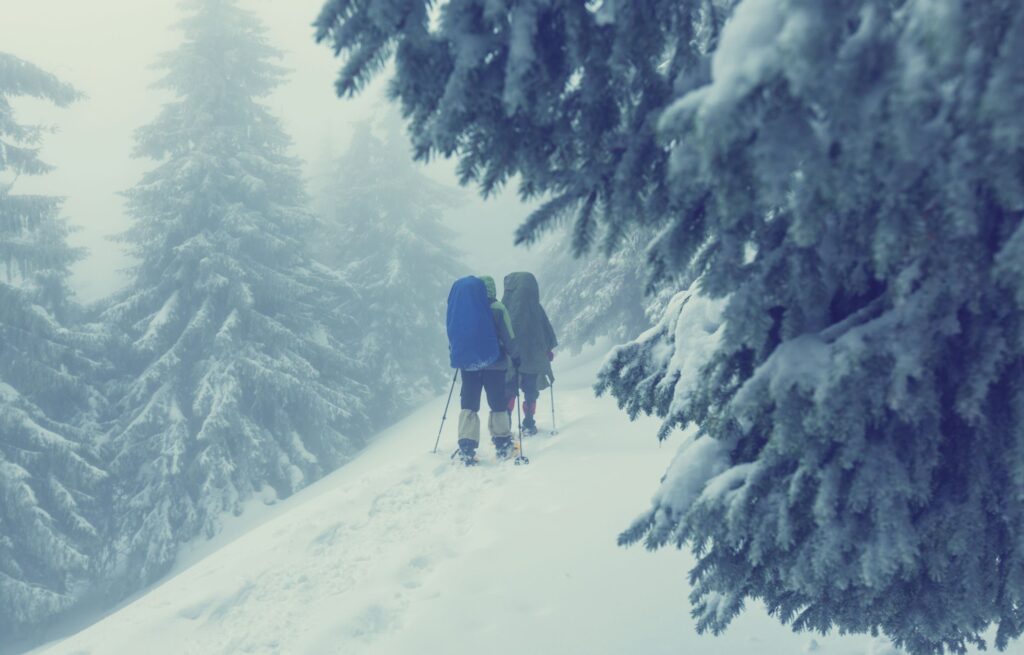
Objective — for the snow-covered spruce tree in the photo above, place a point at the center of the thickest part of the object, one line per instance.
(596, 296)
(847, 177)
(241, 376)
(383, 233)
(50, 480)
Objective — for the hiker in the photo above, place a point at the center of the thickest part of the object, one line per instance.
(481, 344)
(535, 339)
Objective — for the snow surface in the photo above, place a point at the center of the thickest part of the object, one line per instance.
(403, 552)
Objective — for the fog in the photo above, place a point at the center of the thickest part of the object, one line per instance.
(106, 48)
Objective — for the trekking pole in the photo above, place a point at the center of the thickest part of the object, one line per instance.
(445, 416)
(520, 458)
(553, 429)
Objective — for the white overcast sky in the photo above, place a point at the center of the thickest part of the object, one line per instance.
(105, 49)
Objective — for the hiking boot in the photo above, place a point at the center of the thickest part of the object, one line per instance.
(467, 452)
(503, 447)
(529, 430)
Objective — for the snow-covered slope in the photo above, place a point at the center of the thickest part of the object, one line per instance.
(402, 552)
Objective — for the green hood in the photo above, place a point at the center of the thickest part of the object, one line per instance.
(492, 295)
(492, 289)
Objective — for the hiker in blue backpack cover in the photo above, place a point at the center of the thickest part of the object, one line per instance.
(482, 346)
(536, 342)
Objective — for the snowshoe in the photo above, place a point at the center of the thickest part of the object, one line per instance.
(529, 430)
(520, 458)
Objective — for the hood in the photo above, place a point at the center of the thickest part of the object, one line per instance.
(492, 290)
(522, 286)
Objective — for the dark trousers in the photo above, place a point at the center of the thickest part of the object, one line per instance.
(490, 381)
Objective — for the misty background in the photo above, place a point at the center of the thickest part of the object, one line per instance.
(106, 50)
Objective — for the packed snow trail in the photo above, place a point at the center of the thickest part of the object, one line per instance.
(402, 552)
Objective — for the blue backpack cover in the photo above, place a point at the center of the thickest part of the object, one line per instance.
(472, 337)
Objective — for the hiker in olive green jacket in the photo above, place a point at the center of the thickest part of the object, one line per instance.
(535, 339)
(491, 380)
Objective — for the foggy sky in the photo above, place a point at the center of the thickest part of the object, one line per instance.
(105, 49)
